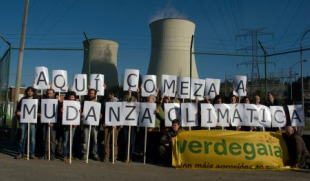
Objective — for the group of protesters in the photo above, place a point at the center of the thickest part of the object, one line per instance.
(159, 142)
(100, 135)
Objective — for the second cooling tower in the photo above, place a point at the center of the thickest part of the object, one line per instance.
(100, 57)
(170, 51)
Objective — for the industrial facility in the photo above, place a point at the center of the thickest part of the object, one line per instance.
(100, 57)
(170, 48)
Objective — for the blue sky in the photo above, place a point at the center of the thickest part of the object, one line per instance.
(61, 23)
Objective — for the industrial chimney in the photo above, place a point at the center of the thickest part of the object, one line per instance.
(101, 58)
(170, 53)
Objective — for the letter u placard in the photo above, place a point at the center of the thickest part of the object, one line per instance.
(49, 109)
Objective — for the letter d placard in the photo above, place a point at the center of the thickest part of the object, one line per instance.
(71, 112)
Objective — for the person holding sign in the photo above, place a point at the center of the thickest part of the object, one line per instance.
(160, 112)
(30, 93)
(217, 100)
(246, 100)
(257, 99)
(66, 129)
(50, 94)
(165, 148)
(129, 131)
(234, 99)
(94, 130)
(271, 100)
(108, 130)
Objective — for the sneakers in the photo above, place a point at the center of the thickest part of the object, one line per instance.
(65, 159)
(52, 157)
(106, 160)
(19, 156)
(84, 158)
(96, 158)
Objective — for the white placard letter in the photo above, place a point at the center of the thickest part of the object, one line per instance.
(131, 80)
(80, 84)
(49, 110)
(212, 87)
(169, 85)
(29, 111)
(41, 80)
(97, 83)
(60, 81)
(172, 112)
(71, 112)
(91, 113)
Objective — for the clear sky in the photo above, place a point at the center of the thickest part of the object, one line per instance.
(61, 23)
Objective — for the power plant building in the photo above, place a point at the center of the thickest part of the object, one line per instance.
(100, 57)
(170, 51)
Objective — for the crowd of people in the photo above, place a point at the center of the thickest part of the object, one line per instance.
(159, 141)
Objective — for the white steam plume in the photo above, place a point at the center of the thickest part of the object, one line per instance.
(168, 12)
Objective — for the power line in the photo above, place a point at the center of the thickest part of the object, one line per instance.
(44, 19)
(59, 19)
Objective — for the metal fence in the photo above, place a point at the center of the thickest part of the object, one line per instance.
(4, 84)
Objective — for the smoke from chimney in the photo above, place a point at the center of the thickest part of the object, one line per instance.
(168, 12)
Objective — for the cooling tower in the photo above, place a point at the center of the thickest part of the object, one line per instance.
(170, 53)
(102, 59)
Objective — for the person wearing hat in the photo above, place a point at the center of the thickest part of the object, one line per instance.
(165, 148)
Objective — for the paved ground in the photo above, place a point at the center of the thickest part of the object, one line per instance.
(40, 169)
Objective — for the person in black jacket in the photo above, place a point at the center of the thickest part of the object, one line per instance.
(165, 148)
(30, 93)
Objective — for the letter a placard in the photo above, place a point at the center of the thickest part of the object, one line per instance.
(91, 113)
(297, 116)
(240, 85)
(212, 87)
(41, 80)
(147, 115)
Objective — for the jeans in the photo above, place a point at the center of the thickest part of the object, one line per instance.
(53, 139)
(132, 140)
(66, 141)
(23, 137)
(93, 139)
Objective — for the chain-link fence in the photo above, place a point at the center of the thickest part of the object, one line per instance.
(4, 83)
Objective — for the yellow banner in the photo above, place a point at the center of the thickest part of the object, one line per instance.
(219, 149)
